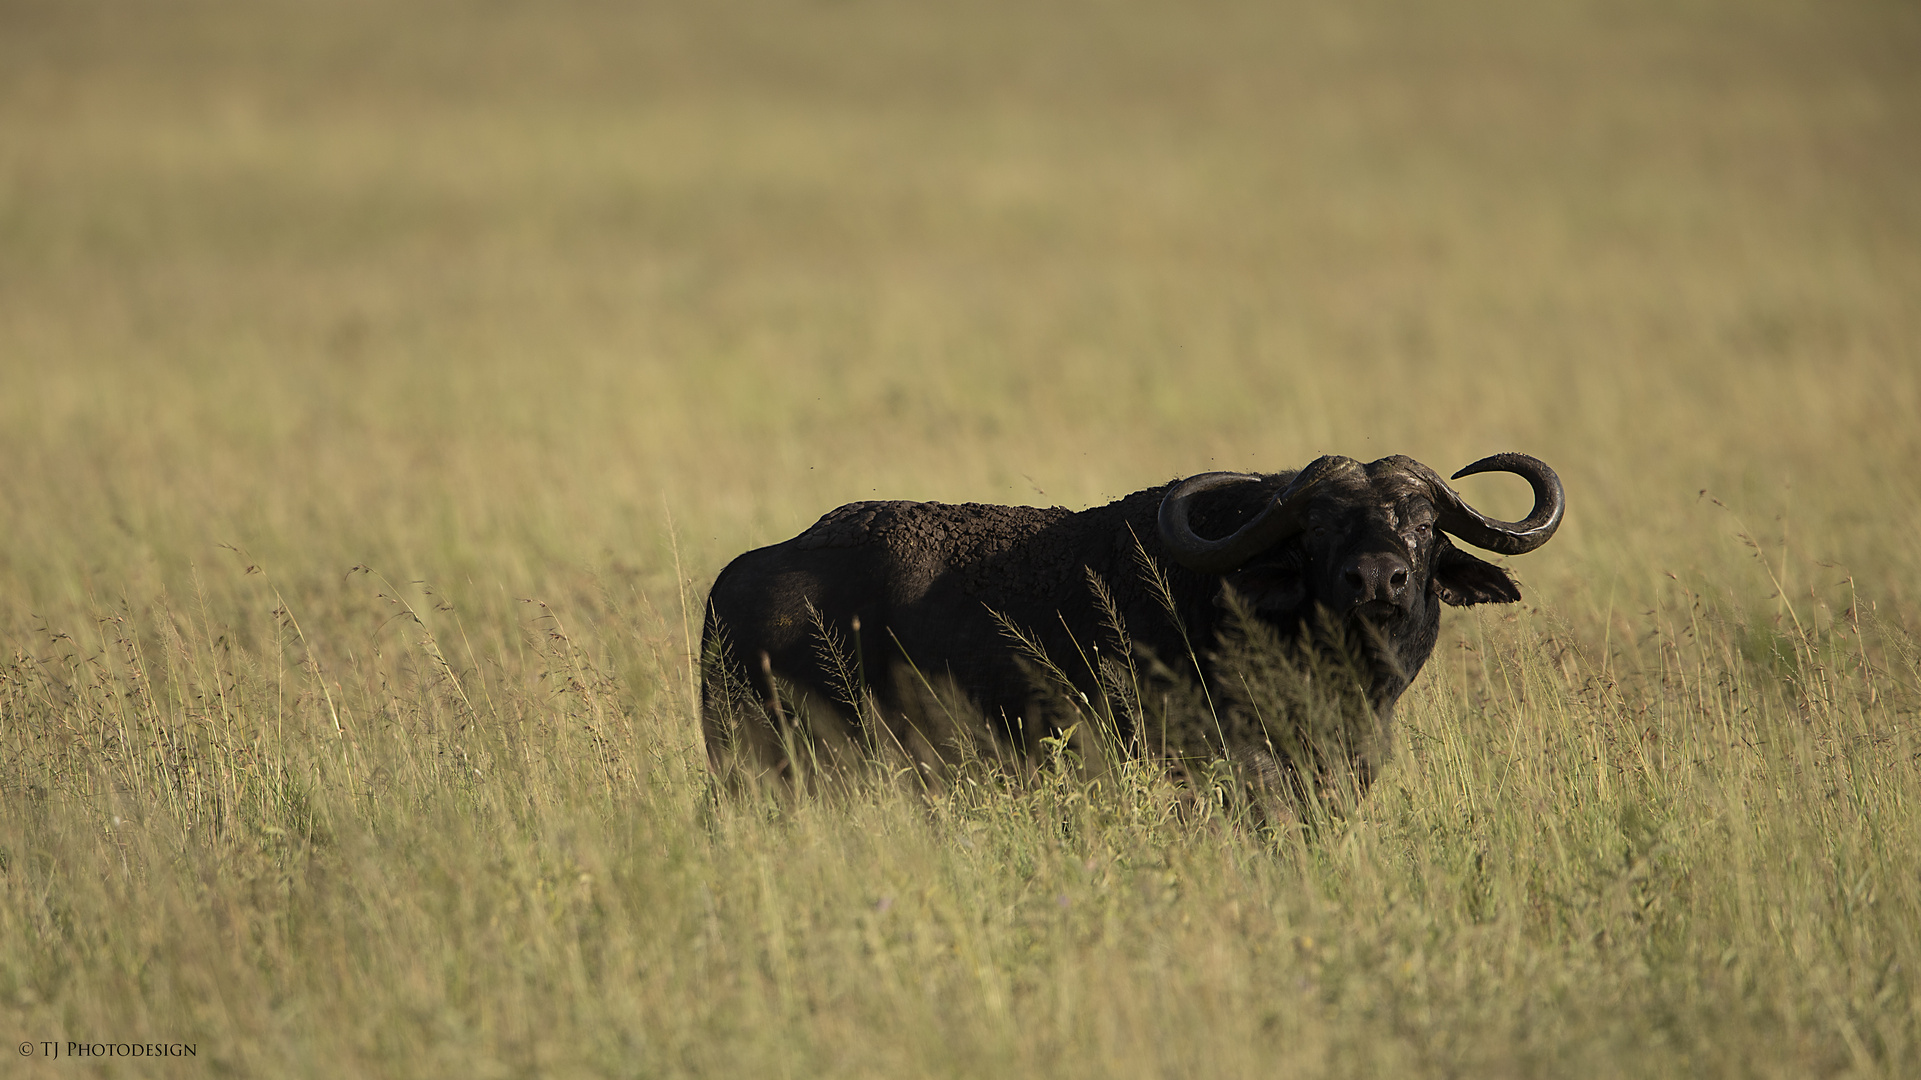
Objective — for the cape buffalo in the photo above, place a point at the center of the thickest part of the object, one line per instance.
(891, 624)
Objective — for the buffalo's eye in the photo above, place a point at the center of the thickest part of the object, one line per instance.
(1319, 531)
(1423, 528)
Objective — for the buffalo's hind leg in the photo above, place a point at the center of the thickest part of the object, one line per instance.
(738, 717)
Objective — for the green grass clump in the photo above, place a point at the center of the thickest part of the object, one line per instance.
(381, 386)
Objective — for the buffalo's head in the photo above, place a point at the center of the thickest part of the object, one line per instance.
(1368, 540)
(1356, 554)
(1364, 543)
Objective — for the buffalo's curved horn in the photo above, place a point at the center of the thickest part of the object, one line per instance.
(1279, 519)
(1501, 537)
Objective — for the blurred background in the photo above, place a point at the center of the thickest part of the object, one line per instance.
(333, 334)
(564, 298)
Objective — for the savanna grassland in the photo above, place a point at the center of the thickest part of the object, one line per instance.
(381, 385)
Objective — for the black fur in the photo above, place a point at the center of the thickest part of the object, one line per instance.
(915, 600)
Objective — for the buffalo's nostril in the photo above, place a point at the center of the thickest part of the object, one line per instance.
(1398, 579)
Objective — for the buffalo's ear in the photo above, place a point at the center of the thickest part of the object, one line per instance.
(1461, 579)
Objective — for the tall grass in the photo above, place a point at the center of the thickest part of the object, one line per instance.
(382, 386)
(1701, 867)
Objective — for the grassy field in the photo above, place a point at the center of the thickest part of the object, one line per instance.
(382, 385)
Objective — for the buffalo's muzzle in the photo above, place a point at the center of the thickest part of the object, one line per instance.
(1377, 577)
